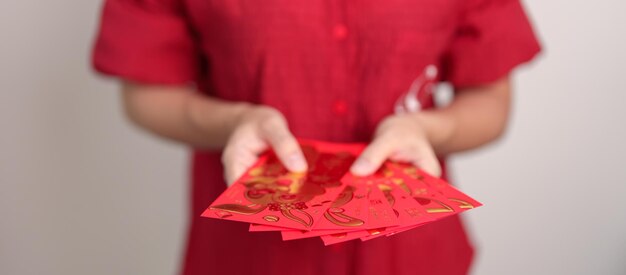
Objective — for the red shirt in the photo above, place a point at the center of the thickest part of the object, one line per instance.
(334, 68)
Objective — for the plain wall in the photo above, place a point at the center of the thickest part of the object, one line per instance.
(83, 192)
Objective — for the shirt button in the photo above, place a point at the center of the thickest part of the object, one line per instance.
(340, 107)
(340, 31)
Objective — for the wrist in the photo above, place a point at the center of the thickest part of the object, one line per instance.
(438, 127)
(239, 112)
(214, 119)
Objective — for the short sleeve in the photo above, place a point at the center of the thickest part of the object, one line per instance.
(493, 37)
(147, 41)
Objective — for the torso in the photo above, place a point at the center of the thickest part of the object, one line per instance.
(335, 69)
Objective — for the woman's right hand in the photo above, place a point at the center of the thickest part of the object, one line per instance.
(258, 129)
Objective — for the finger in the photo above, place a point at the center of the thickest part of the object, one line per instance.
(427, 159)
(373, 156)
(229, 165)
(429, 163)
(285, 145)
(236, 161)
(420, 156)
(237, 170)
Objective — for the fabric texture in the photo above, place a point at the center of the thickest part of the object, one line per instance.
(334, 69)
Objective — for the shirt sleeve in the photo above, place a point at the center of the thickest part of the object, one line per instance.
(493, 37)
(146, 41)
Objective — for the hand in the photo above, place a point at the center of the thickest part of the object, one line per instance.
(400, 138)
(258, 129)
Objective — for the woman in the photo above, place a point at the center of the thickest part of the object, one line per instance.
(233, 78)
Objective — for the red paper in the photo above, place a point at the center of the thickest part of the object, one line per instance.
(331, 203)
(379, 215)
(441, 194)
(265, 228)
(438, 197)
(268, 194)
(344, 237)
(347, 213)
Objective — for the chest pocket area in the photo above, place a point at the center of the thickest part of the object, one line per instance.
(261, 23)
(411, 15)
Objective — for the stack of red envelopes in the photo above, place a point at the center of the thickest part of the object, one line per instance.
(329, 202)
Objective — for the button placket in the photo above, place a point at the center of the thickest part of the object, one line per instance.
(339, 101)
(340, 107)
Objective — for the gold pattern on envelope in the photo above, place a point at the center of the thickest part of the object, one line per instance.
(271, 218)
(462, 204)
(270, 186)
(335, 213)
(424, 200)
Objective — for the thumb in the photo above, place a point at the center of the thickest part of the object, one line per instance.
(372, 157)
(285, 146)
(423, 157)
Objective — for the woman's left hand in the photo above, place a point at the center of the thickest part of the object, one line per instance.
(402, 138)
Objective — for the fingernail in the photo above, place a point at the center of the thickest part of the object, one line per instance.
(297, 163)
(361, 167)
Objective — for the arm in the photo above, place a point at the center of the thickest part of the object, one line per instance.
(179, 113)
(476, 117)
(242, 130)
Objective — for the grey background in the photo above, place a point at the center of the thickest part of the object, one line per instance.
(83, 192)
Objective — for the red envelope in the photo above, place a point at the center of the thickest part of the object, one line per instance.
(265, 228)
(268, 194)
(379, 216)
(382, 219)
(429, 191)
(409, 212)
(364, 235)
(344, 237)
(329, 202)
(380, 213)
(441, 192)
(406, 177)
(289, 235)
(348, 212)
(405, 211)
